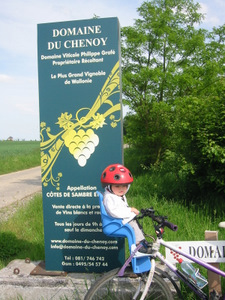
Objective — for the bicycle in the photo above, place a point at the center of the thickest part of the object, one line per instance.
(139, 278)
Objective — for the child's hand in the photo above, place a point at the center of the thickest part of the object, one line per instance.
(133, 209)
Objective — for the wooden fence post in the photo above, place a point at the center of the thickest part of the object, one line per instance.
(213, 279)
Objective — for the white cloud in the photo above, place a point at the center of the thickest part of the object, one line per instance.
(213, 11)
(26, 108)
(5, 78)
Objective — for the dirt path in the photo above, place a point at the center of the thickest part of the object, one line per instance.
(17, 188)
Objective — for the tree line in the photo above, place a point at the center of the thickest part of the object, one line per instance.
(173, 83)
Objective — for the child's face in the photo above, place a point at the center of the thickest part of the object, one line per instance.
(119, 189)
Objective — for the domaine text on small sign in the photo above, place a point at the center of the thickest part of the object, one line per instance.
(208, 251)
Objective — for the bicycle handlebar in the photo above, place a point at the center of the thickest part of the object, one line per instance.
(161, 220)
(171, 226)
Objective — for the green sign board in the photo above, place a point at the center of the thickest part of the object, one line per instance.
(81, 133)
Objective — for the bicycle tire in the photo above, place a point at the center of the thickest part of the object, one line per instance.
(112, 287)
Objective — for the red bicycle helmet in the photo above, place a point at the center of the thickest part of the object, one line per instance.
(116, 174)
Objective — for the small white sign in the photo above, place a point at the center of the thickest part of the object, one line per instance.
(208, 251)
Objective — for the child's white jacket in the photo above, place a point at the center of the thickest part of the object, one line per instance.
(117, 207)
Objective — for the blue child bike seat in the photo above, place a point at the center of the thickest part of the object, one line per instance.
(115, 228)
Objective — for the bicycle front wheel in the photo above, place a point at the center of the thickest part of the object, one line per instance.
(130, 286)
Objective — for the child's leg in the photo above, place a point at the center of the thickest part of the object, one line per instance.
(147, 248)
(137, 231)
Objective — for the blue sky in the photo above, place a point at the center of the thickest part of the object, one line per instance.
(19, 113)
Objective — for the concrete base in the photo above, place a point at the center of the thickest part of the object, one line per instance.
(16, 283)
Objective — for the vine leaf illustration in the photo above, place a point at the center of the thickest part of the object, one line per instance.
(77, 132)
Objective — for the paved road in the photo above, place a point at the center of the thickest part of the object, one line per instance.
(19, 185)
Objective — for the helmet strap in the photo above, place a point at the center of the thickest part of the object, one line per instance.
(108, 188)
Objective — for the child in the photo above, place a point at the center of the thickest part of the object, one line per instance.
(116, 180)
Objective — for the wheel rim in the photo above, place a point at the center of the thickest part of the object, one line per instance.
(124, 288)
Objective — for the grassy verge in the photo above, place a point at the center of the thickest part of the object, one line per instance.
(22, 235)
(18, 155)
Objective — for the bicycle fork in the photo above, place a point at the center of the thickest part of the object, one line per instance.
(148, 283)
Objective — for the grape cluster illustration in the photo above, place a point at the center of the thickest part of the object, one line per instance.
(81, 144)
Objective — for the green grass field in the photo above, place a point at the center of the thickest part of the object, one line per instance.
(22, 235)
(18, 155)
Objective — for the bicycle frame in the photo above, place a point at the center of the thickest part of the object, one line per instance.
(173, 268)
(159, 222)
(181, 275)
